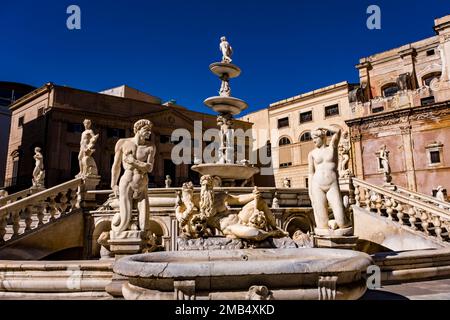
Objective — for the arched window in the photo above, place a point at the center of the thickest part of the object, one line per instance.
(284, 141)
(390, 89)
(426, 79)
(306, 136)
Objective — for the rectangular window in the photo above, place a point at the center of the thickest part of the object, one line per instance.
(285, 165)
(332, 110)
(430, 52)
(306, 183)
(21, 121)
(115, 133)
(377, 109)
(427, 101)
(283, 122)
(40, 112)
(164, 139)
(435, 157)
(305, 116)
(74, 127)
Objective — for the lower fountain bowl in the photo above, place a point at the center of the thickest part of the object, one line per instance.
(298, 274)
(226, 171)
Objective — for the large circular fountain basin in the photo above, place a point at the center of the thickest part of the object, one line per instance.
(221, 68)
(230, 274)
(226, 171)
(226, 104)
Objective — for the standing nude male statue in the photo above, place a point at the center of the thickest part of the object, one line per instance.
(324, 186)
(137, 156)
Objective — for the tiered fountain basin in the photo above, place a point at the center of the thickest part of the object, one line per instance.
(221, 68)
(226, 105)
(226, 171)
(296, 274)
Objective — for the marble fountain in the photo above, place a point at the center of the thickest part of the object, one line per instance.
(265, 262)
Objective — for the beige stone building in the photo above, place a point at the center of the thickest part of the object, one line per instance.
(51, 117)
(403, 103)
(285, 127)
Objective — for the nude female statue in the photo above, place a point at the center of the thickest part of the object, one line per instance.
(87, 143)
(38, 172)
(324, 187)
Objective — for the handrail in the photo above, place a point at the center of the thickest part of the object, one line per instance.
(50, 204)
(425, 197)
(414, 213)
(14, 196)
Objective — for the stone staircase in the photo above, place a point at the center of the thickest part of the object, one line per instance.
(399, 219)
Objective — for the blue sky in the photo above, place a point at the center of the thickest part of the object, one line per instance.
(284, 47)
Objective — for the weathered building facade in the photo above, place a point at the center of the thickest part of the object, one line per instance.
(51, 117)
(403, 103)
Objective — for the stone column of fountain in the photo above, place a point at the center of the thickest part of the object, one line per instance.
(226, 106)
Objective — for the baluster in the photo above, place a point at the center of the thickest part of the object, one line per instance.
(378, 203)
(27, 216)
(367, 198)
(15, 215)
(389, 204)
(73, 200)
(53, 209)
(425, 222)
(400, 213)
(41, 210)
(63, 203)
(412, 218)
(357, 196)
(3, 223)
(437, 227)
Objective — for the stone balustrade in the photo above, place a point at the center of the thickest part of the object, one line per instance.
(21, 216)
(425, 198)
(18, 195)
(410, 212)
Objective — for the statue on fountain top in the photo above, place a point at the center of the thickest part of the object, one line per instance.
(226, 49)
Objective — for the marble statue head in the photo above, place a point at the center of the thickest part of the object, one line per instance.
(223, 38)
(143, 127)
(319, 137)
(37, 149)
(87, 123)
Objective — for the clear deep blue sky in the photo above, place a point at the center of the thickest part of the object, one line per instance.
(284, 47)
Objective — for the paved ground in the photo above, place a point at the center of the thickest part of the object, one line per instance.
(428, 290)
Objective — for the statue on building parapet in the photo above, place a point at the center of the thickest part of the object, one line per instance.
(227, 50)
(440, 194)
(136, 155)
(38, 172)
(324, 187)
(168, 181)
(88, 167)
(344, 156)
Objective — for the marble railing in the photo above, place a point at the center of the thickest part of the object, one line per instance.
(423, 197)
(286, 197)
(24, 215)
(18, 195)
(409, 212)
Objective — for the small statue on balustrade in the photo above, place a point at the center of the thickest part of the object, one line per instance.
(38, 172)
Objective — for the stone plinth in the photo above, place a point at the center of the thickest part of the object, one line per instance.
(223, 243)
(335, 242)
(129, 242)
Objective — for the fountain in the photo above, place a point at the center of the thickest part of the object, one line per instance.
(226, 106)
(225, 254)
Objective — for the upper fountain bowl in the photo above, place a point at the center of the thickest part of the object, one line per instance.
(221, 68)
(226, 104)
